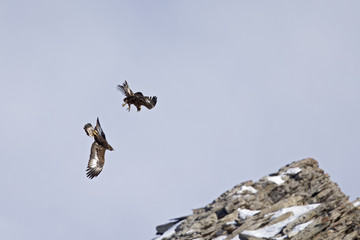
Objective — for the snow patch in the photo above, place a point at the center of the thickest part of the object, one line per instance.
(272, 230)
(278, 179)
(244, 213)
(356, 204)
(231, 223)
(293, 171)
(246, 188)
(299, 228)
(220, 238)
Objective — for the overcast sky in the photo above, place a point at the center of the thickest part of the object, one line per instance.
(243, 87)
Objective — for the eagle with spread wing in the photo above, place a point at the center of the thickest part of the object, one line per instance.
(138, 99)
(98, 148)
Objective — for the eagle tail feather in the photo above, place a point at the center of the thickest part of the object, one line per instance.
(153, 101)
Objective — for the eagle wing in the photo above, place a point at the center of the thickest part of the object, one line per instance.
(96, 161)
(99, 129)
(149, 102)
(125, 89)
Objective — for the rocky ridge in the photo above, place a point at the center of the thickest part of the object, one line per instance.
(298, 202)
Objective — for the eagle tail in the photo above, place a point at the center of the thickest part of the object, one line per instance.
(150, 102)
(153, 101)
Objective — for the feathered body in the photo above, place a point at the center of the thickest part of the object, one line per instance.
(98, 148)
(137, 99)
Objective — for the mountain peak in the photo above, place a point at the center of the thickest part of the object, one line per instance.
(297, 202)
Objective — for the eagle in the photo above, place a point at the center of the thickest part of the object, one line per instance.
(138, 99)
(98, 148)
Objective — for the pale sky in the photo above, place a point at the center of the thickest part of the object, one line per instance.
(243, 87)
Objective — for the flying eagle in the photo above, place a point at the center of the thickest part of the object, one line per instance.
(138, 99)
(98, 148)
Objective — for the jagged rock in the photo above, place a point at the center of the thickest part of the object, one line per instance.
(298, 202)
(164, 227)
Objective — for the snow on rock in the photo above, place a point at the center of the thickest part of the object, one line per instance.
(356, 204)
(272, 230)
(246, 188)
(276, 179)
(297, 210)
(299, 228)
(295, 230)
(279, 179)
(231, 223)
(292, 171)
(244, 213)
(220, 238)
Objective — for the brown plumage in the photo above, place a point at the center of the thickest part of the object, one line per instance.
(137, 99)
(98, 148)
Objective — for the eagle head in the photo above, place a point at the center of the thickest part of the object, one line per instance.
(89, 129)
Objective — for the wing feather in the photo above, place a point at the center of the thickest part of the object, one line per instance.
(96, 161)
(99, 129)
(125, 89)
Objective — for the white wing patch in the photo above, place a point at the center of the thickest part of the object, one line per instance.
(96, 160)
(93, 162)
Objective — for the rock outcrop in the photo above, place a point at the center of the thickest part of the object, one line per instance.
(298, 202)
